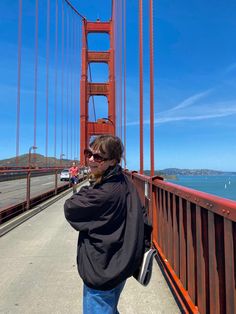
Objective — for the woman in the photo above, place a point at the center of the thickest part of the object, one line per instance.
(109, 216)
(74, 172)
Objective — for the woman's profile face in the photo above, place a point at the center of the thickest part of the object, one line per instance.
(98, 162)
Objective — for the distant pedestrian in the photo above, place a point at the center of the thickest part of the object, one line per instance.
(108, 214)
(74, 173)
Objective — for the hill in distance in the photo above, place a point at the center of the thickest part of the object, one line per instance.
(37, 160)
(40, 161)
(190, 172)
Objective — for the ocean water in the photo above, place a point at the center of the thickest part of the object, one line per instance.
(223, 186)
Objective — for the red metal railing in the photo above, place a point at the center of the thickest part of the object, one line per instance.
(26, 197)
(195, 236)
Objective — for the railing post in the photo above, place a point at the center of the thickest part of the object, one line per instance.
(153, 206)
(56, 170)
(28, 190)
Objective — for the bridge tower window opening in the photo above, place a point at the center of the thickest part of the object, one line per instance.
(98, 42)
(97, 108)
(99, 72)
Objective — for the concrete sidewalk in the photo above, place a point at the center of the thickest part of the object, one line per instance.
(39, 274)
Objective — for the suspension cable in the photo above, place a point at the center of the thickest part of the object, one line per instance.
(94, 110)
(74, 9)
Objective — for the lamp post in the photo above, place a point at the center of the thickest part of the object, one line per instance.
(28, 178)
(107, 119)
(29, 158)
(103, 120)
(61, 156)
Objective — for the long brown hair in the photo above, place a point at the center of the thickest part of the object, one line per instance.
(109, 146)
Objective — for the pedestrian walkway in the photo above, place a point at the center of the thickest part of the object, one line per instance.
(39, 274)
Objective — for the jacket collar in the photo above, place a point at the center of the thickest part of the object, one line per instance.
(108, 174)
(111, 172)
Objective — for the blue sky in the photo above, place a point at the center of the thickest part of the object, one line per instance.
(195, 86)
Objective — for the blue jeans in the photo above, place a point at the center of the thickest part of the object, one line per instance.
(73, 180)
(101, 302)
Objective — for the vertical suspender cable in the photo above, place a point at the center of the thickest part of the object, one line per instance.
(121, 66)
(67, 83)
(76, 91)
(18, 80)
(124, 83)
(118, 67)
(112, 10)
(116, 45)
(71, 87)
(141, 81)
(35, 74)
(114, 49)
(47, 77)
(75, 69)
(78, 76)
(151, 89)
(62, 78)
(55, 82)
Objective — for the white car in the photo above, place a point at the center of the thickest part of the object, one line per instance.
(84, 170)
(65, 175)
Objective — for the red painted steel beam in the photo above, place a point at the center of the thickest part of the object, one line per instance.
(83, 96)
(98, 56)
(195, 238)
(88, 89)
(98, 89)
(6, 213)
(224, 207)
(185, 300)
(99, 129)
(230, 265)
(98, 27)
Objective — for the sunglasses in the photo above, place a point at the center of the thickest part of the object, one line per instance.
(96, 157)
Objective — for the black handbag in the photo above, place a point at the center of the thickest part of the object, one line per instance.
(144, 272)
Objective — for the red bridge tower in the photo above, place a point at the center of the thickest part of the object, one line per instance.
(88, 89)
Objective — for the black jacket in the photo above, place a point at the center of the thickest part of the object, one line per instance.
(111, 239)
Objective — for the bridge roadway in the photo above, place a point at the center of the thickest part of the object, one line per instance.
(14, 192)
(39, 275)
